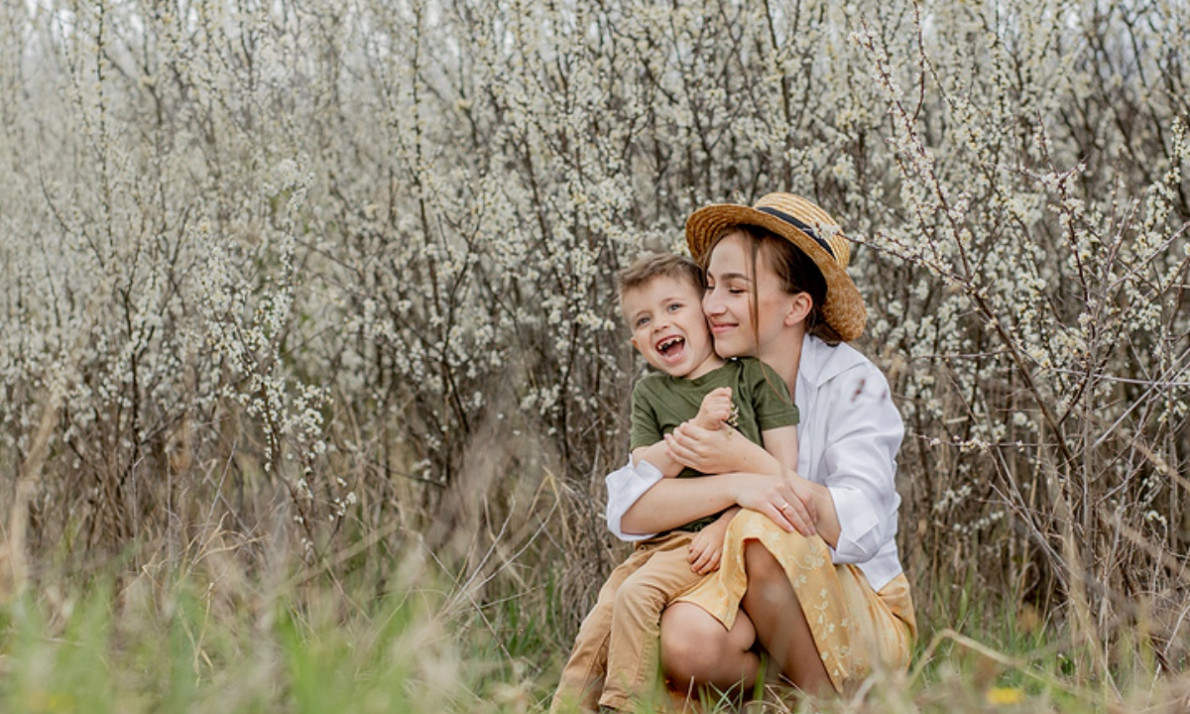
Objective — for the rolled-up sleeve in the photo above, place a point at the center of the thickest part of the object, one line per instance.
(865, 431)
(625, 486)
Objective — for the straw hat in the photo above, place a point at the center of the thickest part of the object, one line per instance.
(806, 226)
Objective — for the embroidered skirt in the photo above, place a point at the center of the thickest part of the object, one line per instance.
(855, 627)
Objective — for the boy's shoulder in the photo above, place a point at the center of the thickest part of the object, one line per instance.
(756, 376)
(652, 381)
(754, 366)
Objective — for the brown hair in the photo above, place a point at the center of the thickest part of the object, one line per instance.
(796, 271)
(651, 266)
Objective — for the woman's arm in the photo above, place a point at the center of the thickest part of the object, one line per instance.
(635, 510)
(793, 502)
(717, 451)
(858, 464)
(762, 487)
(642, 503)
(671, 503)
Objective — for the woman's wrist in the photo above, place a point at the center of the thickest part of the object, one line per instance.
(827, 518)
(734, 486)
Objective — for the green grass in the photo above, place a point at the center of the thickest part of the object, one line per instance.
(132, 645)
(104, 649)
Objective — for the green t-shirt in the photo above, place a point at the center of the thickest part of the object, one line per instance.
(661, 402)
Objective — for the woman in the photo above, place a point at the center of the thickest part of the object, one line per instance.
(810, 566)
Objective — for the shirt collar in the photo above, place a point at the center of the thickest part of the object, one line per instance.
(820, 362)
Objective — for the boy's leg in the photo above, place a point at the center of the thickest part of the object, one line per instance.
(582, 677)
(632, 658)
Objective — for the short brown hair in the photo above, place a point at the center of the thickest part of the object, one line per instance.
(651, 266)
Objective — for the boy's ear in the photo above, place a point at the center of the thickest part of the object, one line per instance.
(633, 342)
(800, 305)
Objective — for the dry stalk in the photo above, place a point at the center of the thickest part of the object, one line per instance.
(14, 561)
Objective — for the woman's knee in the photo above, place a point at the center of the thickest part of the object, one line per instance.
(764, 570)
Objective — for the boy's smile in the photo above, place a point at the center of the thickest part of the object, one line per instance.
(668, 327)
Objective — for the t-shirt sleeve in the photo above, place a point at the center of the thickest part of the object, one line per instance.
(770, 396)
(646, 428)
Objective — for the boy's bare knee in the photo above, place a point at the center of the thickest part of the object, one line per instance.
(690, 646)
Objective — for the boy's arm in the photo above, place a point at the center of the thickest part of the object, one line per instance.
(706, 548)
(646, 432)
(714, 410)
(657, 456)
(781, 442)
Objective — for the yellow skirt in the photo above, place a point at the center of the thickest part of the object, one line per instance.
(855, 627)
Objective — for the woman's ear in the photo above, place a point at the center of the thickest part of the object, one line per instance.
(800, 305)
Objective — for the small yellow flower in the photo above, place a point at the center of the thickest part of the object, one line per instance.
(1005, 695)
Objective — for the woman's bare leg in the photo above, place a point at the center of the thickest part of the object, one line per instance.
(779, 621)
(696, 649)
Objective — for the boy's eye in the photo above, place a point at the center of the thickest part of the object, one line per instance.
(674, 306)
(642, 321)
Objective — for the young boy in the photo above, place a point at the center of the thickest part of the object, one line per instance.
(615, 656)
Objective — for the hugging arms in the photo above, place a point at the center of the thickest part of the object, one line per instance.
(812, 561)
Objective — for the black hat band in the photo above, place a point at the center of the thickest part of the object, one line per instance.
(801, 227)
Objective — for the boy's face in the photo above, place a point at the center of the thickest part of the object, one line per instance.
(668, 327)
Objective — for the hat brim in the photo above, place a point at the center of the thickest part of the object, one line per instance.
(843, 308)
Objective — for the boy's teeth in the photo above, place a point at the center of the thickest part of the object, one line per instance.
(665, 346)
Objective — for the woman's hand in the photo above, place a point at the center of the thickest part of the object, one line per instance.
(716, 451)
(785, 501)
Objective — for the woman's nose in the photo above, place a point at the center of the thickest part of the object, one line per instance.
(711, 304)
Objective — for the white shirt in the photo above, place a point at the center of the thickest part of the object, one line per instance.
(847, 439)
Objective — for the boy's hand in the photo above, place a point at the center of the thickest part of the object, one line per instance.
(706, 549)
(716, 408)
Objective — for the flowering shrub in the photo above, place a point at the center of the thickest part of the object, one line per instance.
(356, 263)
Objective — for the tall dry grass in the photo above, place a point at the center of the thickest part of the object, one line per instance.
(323, 289)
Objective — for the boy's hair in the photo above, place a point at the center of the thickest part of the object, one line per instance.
(651, 266)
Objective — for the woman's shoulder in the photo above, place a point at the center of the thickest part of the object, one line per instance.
(822, 362)
(844, 383)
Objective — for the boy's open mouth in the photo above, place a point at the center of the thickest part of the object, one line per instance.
(671, 346)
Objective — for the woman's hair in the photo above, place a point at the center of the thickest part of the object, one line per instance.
(796, 271)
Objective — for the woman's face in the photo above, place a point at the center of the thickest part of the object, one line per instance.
(732, 281)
